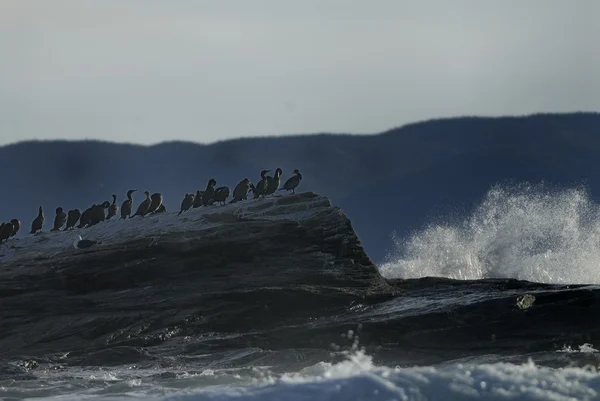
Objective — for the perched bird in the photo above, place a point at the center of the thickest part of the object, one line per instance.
(187, 203)
(197, 200)
(261, 187)
(38, 222)
(209, 192)
(60, 219)
(16, 226)
(6, 230)
(221, 195)
(273, 182)
(98, 213)
(143, 208)
(86, 217)
(72, 218)
(292, 182)
(127, 204)
(113, 209)
(240, 192)
(156, 202)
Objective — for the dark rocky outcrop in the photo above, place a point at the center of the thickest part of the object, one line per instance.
(243, 267)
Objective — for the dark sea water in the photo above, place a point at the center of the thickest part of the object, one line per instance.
(510, 314)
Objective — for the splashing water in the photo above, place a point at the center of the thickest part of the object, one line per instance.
(527, 232)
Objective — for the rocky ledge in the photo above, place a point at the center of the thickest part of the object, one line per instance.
(293, 254)
(267, 240)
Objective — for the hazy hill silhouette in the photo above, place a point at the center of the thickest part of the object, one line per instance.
(396, 180)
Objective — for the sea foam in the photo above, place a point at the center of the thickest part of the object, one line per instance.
(357, 379)
(527, 232)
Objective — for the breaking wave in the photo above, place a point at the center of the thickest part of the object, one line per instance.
(358, 379)
(526, 232)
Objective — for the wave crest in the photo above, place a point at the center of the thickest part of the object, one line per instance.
(527, 232)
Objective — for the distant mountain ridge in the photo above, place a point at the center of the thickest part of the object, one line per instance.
(397, 180)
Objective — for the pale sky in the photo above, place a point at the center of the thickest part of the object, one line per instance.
(146, 71)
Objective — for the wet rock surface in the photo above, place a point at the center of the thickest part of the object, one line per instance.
(242, 275)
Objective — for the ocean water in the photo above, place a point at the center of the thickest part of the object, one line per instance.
(497, 305)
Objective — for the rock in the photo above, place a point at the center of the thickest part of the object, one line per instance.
(292, 255)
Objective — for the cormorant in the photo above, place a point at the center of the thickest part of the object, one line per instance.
(38, 222)
(261, 187)
(113, 209)
(241, 191)
(292, 182)
(273, 182)
(209, 192)
(221, 195)
(6, 230)
(156, 201)
(86, 217)
(197, 200)
(16, 226)
(72, 217)
(98, 213)
(143, 208)
(60, 219)
(187, 203)
(127, 204)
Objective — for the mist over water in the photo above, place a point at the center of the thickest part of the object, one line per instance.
(526, 232)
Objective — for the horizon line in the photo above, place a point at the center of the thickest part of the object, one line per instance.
(297, 135)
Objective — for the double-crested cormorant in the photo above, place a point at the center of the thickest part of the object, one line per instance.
(98, 213)
(273, 182)
(16, 226)
(156, 201)
(197, 200)
(72, 217)
(240, 192)
(221, 195)
(292, 182)
(60, 219)
(86, 217)
(261, 187)
(38, 222)
(209, 192)
(127, 204)
(113, 209)
(6, 230)
(143, 208)
(187, 203)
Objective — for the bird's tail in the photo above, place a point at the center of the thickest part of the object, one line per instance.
(181, 211)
